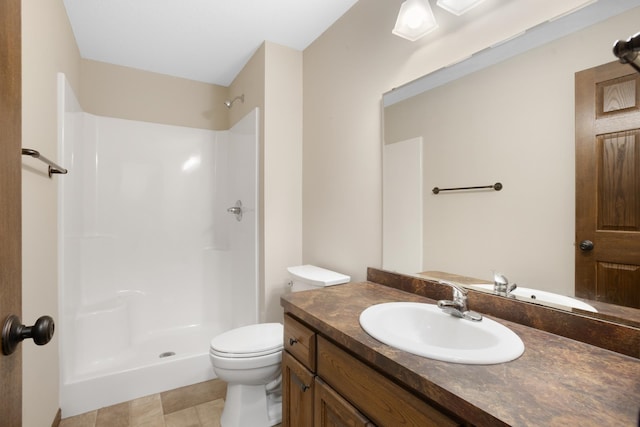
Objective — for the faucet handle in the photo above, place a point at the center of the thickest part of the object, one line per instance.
(458, 307)
(458, 291)
(501, 285)
(500, 279)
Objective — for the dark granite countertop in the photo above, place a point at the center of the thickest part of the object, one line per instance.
(556, 382)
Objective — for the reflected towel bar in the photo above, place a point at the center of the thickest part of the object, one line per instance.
(53, 168)
(497, 186)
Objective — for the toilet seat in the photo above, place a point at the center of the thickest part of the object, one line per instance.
(244, 355)
(249, 341)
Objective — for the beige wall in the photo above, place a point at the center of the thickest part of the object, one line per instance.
(346, 71)
(48, 47)
(272, 80)
(250, 83)
(282, 173)
(126, 93)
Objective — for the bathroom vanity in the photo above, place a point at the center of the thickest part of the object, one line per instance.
(334, 373)
(320, 380)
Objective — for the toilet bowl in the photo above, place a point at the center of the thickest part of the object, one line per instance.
(249, 360)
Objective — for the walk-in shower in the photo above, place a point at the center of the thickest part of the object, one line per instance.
(152, 266)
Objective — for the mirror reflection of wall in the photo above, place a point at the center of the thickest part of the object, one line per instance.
(511, 123)
(402, 210)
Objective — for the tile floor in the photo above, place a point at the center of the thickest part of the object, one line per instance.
(198, 405)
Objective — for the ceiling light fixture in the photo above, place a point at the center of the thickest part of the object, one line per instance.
(415, 20)
(458, 7)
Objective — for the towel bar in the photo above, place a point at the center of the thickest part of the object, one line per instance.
(53, 168)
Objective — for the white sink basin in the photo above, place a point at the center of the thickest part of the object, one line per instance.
(535, 295)
(425, 330)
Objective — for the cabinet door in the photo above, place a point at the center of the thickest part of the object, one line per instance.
(297, 393)
(381, 399)
(331, 410)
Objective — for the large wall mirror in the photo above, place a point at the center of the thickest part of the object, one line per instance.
(506, 115)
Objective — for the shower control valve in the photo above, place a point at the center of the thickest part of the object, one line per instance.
(236, 210)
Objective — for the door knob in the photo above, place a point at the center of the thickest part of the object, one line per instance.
(14, 332)
(586, 245)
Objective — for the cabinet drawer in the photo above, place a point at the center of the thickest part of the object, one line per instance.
(379, 398)
(300, 341)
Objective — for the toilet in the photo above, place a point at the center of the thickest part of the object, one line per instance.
(249, 359)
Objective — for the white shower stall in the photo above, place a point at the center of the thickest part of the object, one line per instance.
(151, 263)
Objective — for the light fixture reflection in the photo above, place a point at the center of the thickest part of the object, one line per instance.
(191, 164)
(458, 7)
(415, 20)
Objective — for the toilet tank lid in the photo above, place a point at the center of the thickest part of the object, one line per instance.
(317, 276)
(250, 339)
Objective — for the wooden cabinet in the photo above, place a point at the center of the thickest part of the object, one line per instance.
(382, 400)
(332, 410)
(306, 400)
(325, 386)
(298, 372)
(298, 389)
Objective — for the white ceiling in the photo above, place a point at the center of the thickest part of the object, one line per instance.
(203, 40)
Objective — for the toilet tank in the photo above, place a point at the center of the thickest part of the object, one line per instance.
(305, 277)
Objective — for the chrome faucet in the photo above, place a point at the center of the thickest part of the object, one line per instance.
(501, 285)
(458, 306)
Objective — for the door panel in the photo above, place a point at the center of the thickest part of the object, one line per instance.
(618, 183)
(608, 184)
(10, 203)
(332, 410)
(617, 283)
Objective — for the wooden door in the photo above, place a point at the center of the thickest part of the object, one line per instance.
(332, 410)
(608, 184)
(10, 203)
(298, 387)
